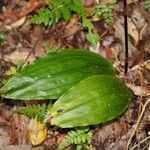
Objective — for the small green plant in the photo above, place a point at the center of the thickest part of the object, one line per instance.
(2, 38)
(147, 5)
(80, 137)
(34, 111)
(93, 38)
(84, 84)
(62, 10)
(44, 16)
(58, 10)
(105, 11)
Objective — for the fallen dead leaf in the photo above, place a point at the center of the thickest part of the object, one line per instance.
(138, 18)
(139, 90)
(12, 16)
(147, 64)
(37, 132)
(119, 33)
(72, 27)
(132, 31)
(88, 3)
(3, 121)
(16, 24)
(18, 129)
(110, 131)
(16, 55)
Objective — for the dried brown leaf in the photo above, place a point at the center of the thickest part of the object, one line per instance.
(3, 121)
(18, 129)
(16, 24)
(12, 16)
(72, 27)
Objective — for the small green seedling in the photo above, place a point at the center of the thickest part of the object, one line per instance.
(58, 10)
(104, 11)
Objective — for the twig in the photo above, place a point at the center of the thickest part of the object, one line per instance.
(140, 142)
(31, 51)
(138, 121)
(104, 33)
(126, 36)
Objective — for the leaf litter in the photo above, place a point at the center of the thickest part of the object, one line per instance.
(26, 41)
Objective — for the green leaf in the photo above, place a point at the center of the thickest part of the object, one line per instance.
(19, 64)
(92, 38)
(77, 6)
(87, 23)
(52, 75)
(94, 100)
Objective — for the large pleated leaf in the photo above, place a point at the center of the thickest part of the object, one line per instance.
(50, 76)
(96, 99)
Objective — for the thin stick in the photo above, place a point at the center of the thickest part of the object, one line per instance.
(141, 142)
(126, 36)
(138, 121)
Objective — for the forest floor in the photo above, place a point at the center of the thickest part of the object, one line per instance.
(26, 42)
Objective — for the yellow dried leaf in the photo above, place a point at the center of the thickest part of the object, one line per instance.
(11, 71)
(37, 131)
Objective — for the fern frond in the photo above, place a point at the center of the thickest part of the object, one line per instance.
(34, 111)
(58, 10)
(61, 10)
(44, 16)
(78, 7)
(79, 137)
